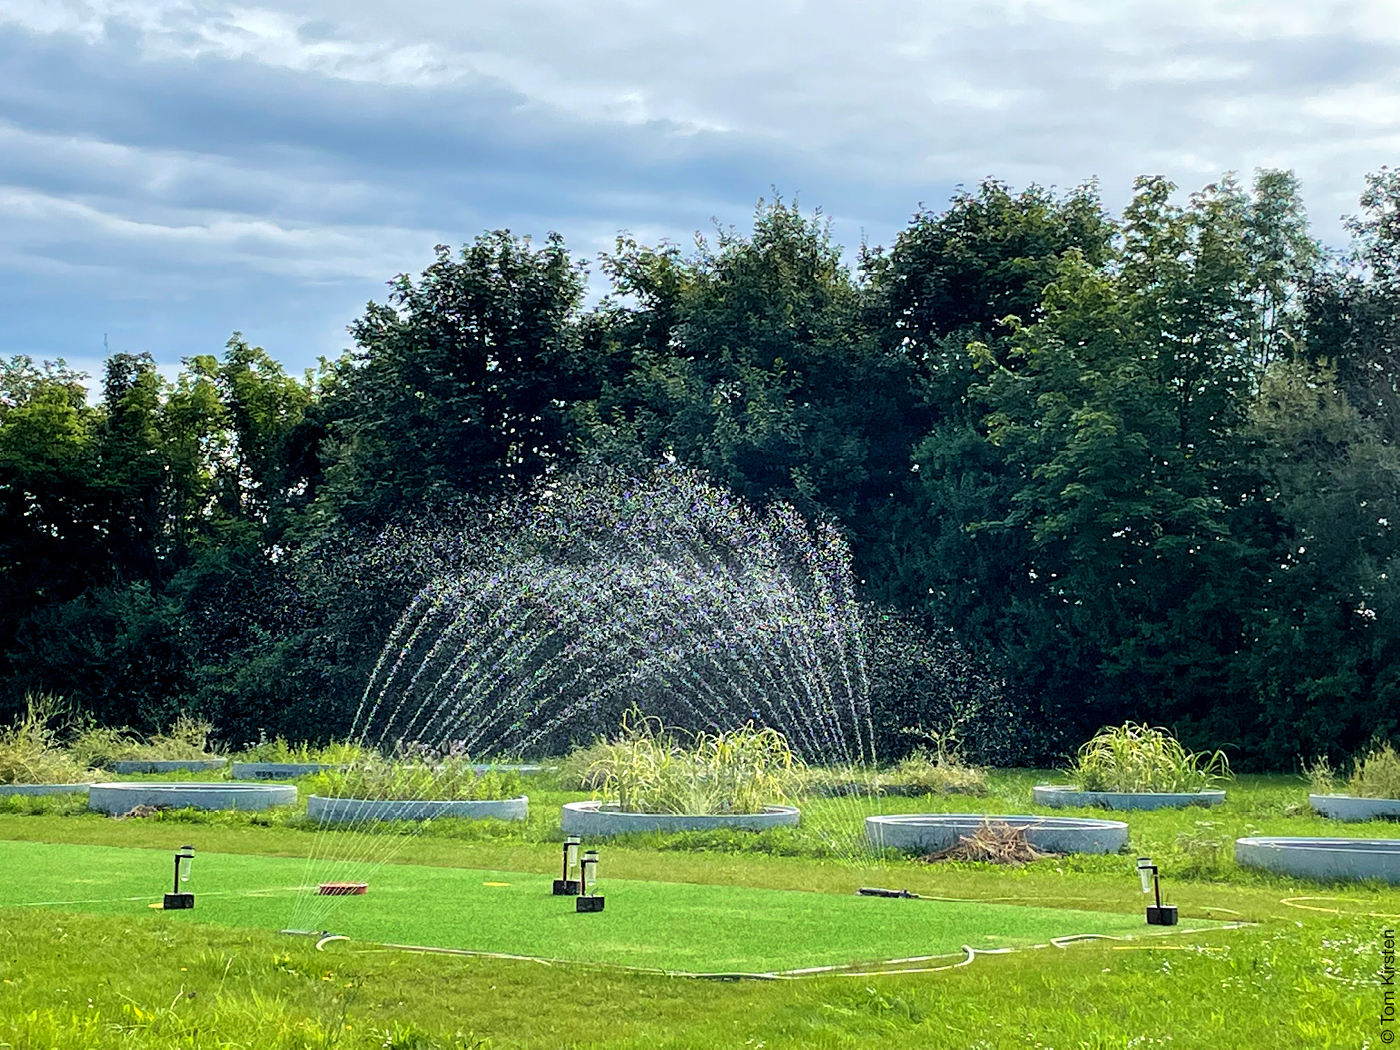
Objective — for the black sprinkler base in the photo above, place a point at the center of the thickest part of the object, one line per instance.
(178, 901)
(566, 887)
(1164, 915)
(588, 904)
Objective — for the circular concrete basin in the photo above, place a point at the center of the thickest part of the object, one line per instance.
(929, 832)
(601, 820)
(43, 789)
(1061, 796)
(1349, 860)
(345, 810)
(167, 765)
(1353, 808)
(278, 770)
(123, 798)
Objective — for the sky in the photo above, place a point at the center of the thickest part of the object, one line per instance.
(174, 170)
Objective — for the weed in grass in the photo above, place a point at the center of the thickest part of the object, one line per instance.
(1134, 757)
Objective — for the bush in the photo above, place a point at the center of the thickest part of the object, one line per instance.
(647, 770)
(1134, 757)
(452, 779)
(29, 751)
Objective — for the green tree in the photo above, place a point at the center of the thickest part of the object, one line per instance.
(460, 383)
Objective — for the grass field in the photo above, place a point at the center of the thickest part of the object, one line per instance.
(657, 925)
(117, 974)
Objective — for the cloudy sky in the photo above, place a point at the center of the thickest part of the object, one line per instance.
(172, 170)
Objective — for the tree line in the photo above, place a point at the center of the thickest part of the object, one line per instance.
(1140, 465)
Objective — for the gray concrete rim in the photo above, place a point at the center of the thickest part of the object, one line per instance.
(1324, 859)
(43, 789)
(166, 765)
(121, 798)
(596, 819)
(1355, 808)
(930, 832)
(274, 770)
(341, 810)
(1066, 795)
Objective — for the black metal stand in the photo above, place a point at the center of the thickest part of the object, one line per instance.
(175, 900)
(1161, 914)
(566, 887)
(585, 904)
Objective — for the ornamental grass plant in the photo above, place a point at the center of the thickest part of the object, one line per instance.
(648, 769)
(1139, 758)
(187, 739)
(30, 751)
(415, 779)
(1376, 774)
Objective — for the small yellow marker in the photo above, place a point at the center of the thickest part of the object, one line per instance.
(495, 884)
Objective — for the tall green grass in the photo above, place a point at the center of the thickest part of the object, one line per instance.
(1134, 757)
(452, 779)
(100, 746)
(1375, 774)
(30, 751)
(647, 769)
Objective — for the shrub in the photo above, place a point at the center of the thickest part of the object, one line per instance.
(29, 751)
(1134, 757)
(452, 779)
(647, 770)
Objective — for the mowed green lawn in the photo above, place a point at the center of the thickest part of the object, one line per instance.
(656, 925)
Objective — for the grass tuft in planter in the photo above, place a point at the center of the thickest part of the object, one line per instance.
(1375, 774)
(29, 747)
(187, 739)
(1140, 758)
(451, 780)
(647, 769)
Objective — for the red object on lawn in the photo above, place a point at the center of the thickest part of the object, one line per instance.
(343, 889)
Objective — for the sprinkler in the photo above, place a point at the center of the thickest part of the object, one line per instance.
(1159, 914)
(568, 886)
(176, 900)
(589, 899)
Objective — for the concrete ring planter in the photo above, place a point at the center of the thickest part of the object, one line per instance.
(1353, 808)
(930, 832)
(346, 810)
(278, 770)
(43, 789)
(123, 798)
(1349, 860)
(167, 765)
(599, 820)
(1057, 795)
